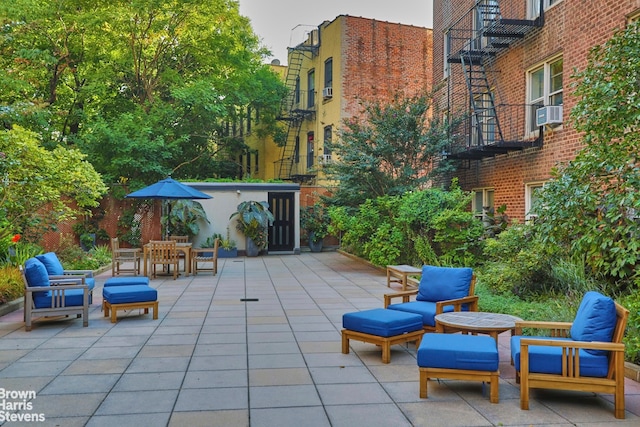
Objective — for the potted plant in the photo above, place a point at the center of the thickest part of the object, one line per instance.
(315, 222)
(253, 220)
(226, 247)
(183, 218)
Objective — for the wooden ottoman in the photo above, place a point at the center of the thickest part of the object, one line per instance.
(459, 357)
(381, 327)
(128, 298)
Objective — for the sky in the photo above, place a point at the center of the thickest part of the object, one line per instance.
(284, 23)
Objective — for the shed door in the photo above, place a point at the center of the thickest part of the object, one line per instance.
(281, 234)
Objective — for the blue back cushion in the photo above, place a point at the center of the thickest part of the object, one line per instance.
(36, 273)
(51, 263)
(595, 321)
(444, 283)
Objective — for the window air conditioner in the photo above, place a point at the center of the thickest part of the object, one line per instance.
(327, 92)
(551, 114)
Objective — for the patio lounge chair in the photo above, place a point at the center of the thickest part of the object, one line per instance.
(592, 359)
(45, 297)
(56, 271)
(124, 255)
(441, 290)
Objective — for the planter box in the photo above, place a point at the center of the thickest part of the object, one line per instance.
(227, 253)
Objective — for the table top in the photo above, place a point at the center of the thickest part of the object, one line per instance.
(405, 269)
(478, 320)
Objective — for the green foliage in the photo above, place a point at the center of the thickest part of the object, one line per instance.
(388, 150)
(253, 218)
(73, 257)
(632, 337)
(34, 178)
(11, 284)
(591, 205)
(144, 88)
(183, 218)
(422, 227)
(314, 220)
(129, 229)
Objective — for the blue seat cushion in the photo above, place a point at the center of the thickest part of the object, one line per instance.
(51, 263)
(382, 322)
(426, 309)
(126, 281)
(72, 297)
(36, 273)
(444, 283)
(595, 320)
(456, 351)
(548, 360)
(129, 294)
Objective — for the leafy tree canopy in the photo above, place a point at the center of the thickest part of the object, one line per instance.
(144, 88)
(390, 149)
(34, 178)
(592, 204)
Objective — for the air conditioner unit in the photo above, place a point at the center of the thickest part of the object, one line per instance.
(551, 114)
(327, 92)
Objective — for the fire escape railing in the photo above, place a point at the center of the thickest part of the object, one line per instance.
(294, 109)
(487, 127)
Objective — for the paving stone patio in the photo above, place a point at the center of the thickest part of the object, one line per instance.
(258, 345)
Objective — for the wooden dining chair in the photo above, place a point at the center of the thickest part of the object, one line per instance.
(163, 252)
(181, 239)
(124, 255)
(205, 255)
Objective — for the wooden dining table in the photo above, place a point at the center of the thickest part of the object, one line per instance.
(184, 248)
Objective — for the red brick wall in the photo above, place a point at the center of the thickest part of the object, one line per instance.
(571, 28)
(382, 59)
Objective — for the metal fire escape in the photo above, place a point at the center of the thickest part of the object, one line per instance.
(295, 109)
(487, 127)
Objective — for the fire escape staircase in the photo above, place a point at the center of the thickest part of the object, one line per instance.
(293, 113)
(489, 128)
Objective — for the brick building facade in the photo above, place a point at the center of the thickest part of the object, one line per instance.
(340, 64)
(527, 55)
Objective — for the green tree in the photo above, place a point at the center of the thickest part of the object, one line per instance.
(392, 148)
(145, 88)
(592, 205)
(41, 187)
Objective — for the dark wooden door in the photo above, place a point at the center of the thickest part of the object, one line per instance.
(281, 234)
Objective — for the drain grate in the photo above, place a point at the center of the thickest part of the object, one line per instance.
(249, 299)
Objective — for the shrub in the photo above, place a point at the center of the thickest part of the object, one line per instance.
(632, 337)
(11, 284)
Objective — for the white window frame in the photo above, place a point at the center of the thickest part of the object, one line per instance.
(447, 51)
(533, 7)
(530, 190)
(548, 95)
(488, 202)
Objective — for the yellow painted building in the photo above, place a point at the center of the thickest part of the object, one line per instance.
(340, 64)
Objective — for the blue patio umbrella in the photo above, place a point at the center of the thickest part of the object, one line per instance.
(168, 189)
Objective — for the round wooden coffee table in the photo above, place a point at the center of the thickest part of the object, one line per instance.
(476, 322)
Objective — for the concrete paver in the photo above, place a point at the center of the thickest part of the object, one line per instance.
(258, 345)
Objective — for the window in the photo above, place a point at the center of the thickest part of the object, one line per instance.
(482, 203)
(311, 89)
(447, 52)
(297, 92)
(544, 88)
(532, 194)
(328, 73)
(633, 17)
(310, 149)
(326, 155)
(533, 7)
(486, 11)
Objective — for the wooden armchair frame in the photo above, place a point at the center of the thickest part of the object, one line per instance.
(202, 255)
(163, 252)
(121, 255)
(570, 379)
(471, 301)
(58, 288)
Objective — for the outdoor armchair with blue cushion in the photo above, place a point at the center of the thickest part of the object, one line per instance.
(45, 297)
(586, 355)
(56, 271)
(441, 290)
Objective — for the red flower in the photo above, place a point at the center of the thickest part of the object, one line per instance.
(16, 238)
